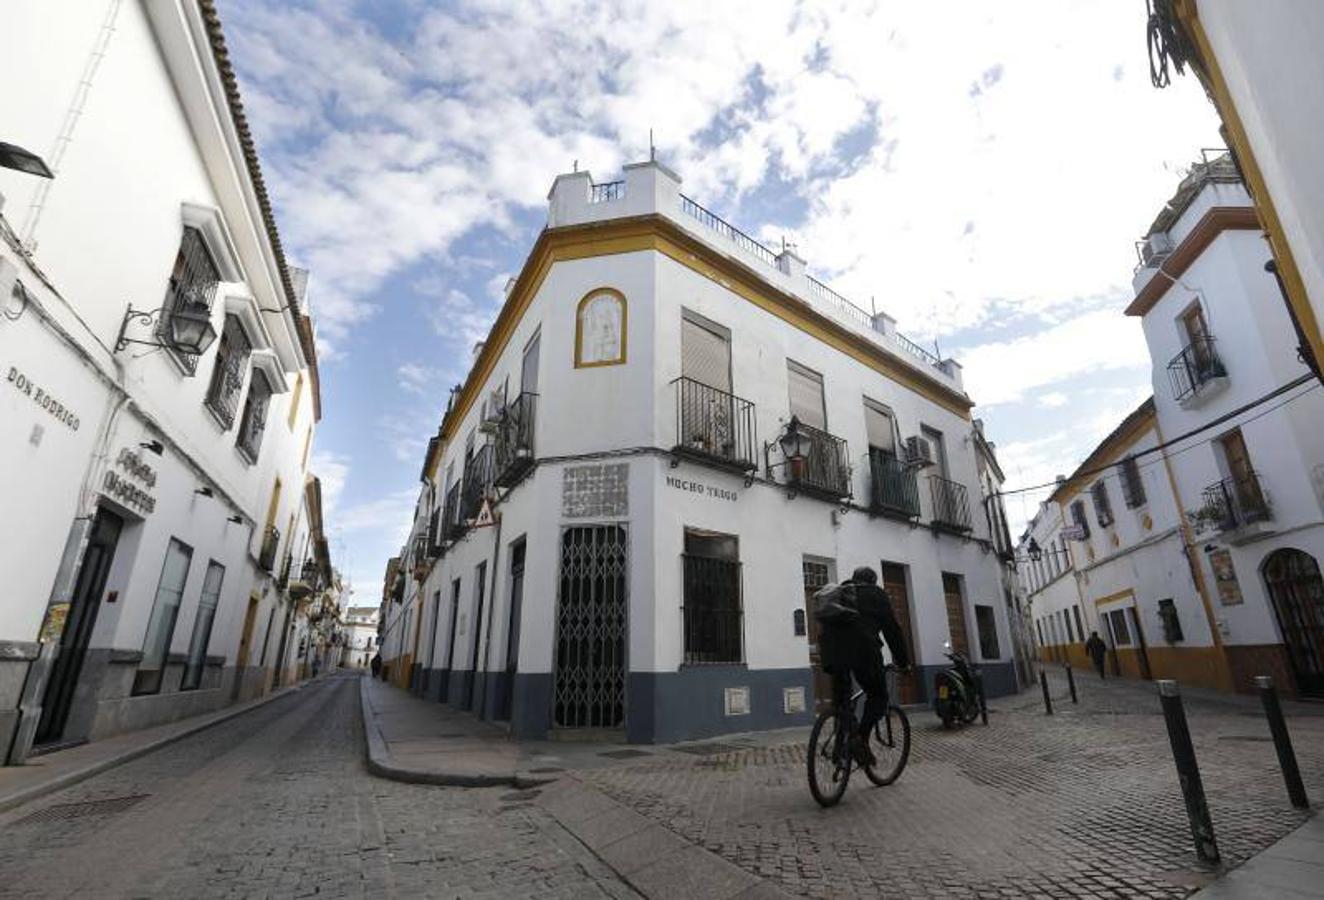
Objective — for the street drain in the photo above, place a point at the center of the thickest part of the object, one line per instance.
(712, 749)
(626, 753)
(107, 807)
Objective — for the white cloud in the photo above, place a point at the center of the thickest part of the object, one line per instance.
(1053, 399)
(333, 471)
(416, 378)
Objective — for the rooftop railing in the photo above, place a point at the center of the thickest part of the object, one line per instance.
(727, 230)
(607, 192)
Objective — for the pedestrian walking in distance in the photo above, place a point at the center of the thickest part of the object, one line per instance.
(1096, 649)
(377, 666)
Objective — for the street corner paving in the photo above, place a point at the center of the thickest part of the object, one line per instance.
(742, 450)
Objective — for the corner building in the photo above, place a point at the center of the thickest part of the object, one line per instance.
(680, 435)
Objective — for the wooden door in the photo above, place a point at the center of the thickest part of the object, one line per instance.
(246, 638)
(816, 574)
(956, 624)
(893, 580)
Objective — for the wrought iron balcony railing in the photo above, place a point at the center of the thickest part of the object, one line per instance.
(606, 192)
(712, 613)
(477, 482)
(893, 488)
(951, 506)
(1236, 502)
(266, 558)
(714, 426)
(1194, 367)
(513, 441)
(825, 470)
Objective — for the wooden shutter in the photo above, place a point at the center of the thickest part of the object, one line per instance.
(878, 427)
(705, 355)
(807, 396)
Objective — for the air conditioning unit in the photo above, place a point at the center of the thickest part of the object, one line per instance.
(919, 452)
(1155, 248)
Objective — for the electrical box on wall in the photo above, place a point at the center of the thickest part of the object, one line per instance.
(793, 700)
(737, 701)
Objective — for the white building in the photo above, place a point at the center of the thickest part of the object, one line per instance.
(1200, 521)
(1249, 57)
(359, 625)
(151, 492)
(679, 434)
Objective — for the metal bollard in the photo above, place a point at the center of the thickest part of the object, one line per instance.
(1188, 771)
(1282, 742)
(1048, 701)
(1071, 683)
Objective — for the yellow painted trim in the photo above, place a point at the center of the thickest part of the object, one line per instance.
(1189, 16)
(655, 232)
(1124, 594)
(1197, 571)
(579, 329)
(1106, 454)
(294, 400)
(273, 505)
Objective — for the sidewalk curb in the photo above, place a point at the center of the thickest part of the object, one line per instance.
(68, 779)
(381, 764)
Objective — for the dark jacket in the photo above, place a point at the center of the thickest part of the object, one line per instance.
(850, 643)
(1096, 648)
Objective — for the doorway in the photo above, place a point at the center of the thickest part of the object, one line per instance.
(893, 580)
(1296, 590)
(450, 649)
(81, 618)
(480, 584)
(245, 645)
(506, 699)
(589, 673)
(956, 624)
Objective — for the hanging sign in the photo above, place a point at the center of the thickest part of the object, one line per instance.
(1073, 533)
(485, 517)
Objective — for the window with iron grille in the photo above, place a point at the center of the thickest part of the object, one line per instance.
(712, 607)
(1103, 507)
(254, 422)
(227, 378)
(1133, 487)
(1078, 518)
(193, 280)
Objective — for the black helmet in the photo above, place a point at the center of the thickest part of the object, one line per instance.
(864, 575)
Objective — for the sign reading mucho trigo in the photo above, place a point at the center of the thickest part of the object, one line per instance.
(121, 487)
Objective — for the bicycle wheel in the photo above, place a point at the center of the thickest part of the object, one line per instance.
(828, 761)
(890, 743)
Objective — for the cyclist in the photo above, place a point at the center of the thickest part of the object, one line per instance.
(849, 646)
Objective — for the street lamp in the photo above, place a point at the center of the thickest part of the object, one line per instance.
(795, 445)
(13, 156)
(188, 330)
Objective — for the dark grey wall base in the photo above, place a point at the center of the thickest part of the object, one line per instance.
(434, 681)
(497, 699)
(458, 689)
(531, 707)
(443, 685)
(416, 678)
(999, 679)
(664, 707)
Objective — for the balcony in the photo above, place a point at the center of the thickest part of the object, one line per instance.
(306, 580)
(951, 506)
(1235, 503)
(1195, 369)
(713, 426)
(266, 558)
(514, 440)
(711, 613)
(824, 471)
(477, 483)
(893, 488)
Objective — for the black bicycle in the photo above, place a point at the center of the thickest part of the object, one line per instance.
(830, 759)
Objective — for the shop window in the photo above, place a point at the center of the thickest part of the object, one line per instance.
(197, 648)
(161, 625)
(600, 329)
(988, 632)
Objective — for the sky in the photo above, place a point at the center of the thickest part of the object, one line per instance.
(978, 171)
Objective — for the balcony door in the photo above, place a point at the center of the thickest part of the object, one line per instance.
(1245, 487)
(806, 387)
(706, 414)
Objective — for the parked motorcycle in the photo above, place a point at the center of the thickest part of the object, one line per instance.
(958, 691)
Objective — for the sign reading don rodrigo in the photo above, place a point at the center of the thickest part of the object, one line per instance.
(130, 482)
(40, 396)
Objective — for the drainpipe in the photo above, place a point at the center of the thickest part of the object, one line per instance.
(1304, 351)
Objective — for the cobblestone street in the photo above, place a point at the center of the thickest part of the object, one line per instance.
(1083, 804)
(277, 803)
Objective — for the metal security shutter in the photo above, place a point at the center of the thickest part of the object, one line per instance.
(705, 355)
(878, 427)
(807, 396)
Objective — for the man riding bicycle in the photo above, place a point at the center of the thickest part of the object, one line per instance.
(849, 647)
